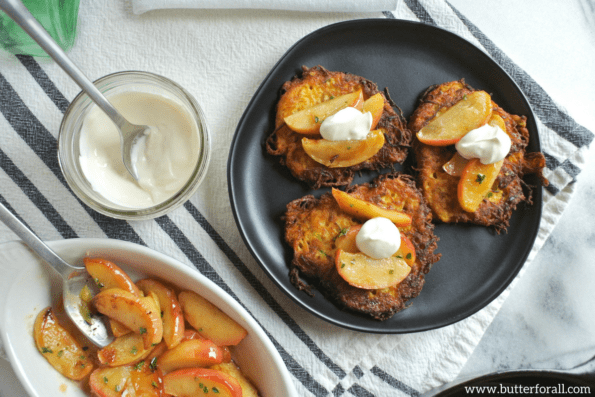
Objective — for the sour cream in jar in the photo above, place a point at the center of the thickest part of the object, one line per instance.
(165, 158)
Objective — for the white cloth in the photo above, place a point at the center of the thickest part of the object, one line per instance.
(142, 6)
(221, 58)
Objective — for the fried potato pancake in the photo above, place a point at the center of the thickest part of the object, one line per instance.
(312, 225)
(317, 85)
(440, 189)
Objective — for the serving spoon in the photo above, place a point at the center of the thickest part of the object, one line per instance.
(129, 133)
(73, 280)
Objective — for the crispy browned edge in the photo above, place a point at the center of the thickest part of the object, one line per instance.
(286, 144)
(518, 163)
(320, 270)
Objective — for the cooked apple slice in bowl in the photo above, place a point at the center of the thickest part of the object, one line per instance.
(194, 382)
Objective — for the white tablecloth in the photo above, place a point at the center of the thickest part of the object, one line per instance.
(221, 57)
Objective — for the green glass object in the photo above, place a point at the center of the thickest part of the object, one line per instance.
(58, 17)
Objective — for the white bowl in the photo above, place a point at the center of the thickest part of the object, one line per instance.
(28, 285)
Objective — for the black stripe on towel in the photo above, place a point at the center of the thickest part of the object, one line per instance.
(35, 196)
(208, 271)
(44, 82)
(262, 291)
(394, 382)
(30, 129)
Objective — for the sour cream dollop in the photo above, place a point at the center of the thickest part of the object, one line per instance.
(378, 238)
(346, 124)
(487, 143)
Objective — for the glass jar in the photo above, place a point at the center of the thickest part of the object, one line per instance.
(58, 17)
(69, 149)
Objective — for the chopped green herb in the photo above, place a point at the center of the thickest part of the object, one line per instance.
(153, 364)
(134, 350)
(215, 390)
(391, 271)
(342, 265)
(161, 313)
(139, 365)
(480, 178)
(154, 384)
(408, 256)
(316, 119)
(46, 350)
(490, 194)
(465, 97)
(205, 390)
(142, 330)
(60, 353)
(99, 283)
(332, 97)
(117, 388)
(83, 357)
(82, 365)
(342, 232)
(348, 147)
(105, 379)
(323, 253)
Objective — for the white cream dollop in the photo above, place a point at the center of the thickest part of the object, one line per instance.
(487, 143)
(165, 158)
(378, 238)
(346, 124)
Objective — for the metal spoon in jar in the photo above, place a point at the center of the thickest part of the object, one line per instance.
(129, 133)
(74, 279)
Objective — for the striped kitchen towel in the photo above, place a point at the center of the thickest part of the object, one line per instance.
(221, 57)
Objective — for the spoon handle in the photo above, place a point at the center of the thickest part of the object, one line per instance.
(34, 242)
(17, 11)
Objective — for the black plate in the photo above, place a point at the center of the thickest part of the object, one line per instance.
(407, 57)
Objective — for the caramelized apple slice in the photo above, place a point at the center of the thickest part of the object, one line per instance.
(362, 271)
(374, 105)
(335, 154)
(449, 127)
(124, 350)
(476, 182)
(209, 320)
(109, 275)
(195, 382)
(364, 210)
(172, 316)
(455, 165)
(248, 390)
(60, 348)
(127, 380)
(307, 121)
(496, 120)
(191, 353)
(346, 242)
(139, 314)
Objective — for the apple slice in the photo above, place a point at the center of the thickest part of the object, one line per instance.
(496, 120)
(195, 382)
(455, 165)
(308, 120)
(191, 353)
(364, 210)
(60, 348)
(449, 127)
(109, 275)
(127, 380)
(374, 105)
(210, 321)
(172, 315)
(124, 350)
(476, 182)
(140, 314)
(335, 154)
(346, 242)
(362, 271)
(248, 389)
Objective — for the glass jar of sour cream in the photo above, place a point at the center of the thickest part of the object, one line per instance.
(171, 162)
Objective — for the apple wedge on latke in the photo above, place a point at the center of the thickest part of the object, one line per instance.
(316, 86)
(313, 225)
(441, 172)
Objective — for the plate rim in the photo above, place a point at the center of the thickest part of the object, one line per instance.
(536, 191)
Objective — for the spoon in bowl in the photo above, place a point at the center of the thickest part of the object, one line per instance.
(130, 134)
(74, 279)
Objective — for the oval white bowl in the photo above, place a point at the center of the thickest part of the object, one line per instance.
(28, 285)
